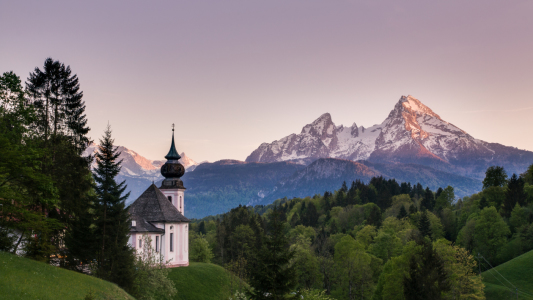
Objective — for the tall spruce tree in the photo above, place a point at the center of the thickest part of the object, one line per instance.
(514, 194)
(115, 257)
(424, 226)
(429, 199)
(427, 278)
(272, 277)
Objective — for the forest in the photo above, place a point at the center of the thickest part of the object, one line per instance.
(381, 240)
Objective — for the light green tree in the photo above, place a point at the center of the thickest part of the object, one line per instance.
(490, 233)
(199, 248)
(459, 266)
(445, 199)
(354, 270)
(305, 263)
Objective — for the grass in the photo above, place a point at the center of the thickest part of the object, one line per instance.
(22, 278)
(202, 281)
(519, 271)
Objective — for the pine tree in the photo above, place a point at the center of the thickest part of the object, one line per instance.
(514, 194)
(427, 278)
(115, 257)
(271, 276)
(424, 226)
(429, 199)
(403, 213)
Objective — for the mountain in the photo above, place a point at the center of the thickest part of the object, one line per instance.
(327, 174)
(412, 133)
(214, 188)
(138, 171)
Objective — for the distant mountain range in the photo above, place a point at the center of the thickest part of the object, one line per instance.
(412, 133)
(138, 171)
(413, 144)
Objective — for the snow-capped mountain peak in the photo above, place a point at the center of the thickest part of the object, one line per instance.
(411, 133)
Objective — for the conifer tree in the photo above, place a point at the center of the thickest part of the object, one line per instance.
(429, 199)
(115, 257)
(272, 277)
(424, 226)
(403, 213)
(61, 128)
(514, 194)
(427, 278)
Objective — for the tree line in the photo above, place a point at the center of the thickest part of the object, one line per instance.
(376, 240)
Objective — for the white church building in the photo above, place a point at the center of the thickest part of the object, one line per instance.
(160, 214)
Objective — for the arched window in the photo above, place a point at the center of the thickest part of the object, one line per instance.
(169, 198)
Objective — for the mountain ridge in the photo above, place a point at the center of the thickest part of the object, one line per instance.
(411, 133)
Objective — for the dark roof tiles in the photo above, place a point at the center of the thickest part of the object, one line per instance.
(153, 206)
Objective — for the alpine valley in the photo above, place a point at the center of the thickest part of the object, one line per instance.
(413, 144)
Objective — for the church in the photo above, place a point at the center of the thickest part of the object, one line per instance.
(160, 214)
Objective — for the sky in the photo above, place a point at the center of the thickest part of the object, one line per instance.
(233, 74)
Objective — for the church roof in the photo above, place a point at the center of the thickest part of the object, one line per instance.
(153, 206)
(141, 225)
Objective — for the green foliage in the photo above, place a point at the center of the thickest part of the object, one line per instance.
(427, 278)
(115, 257)
(495, 176)
(354, 269)
(272, 277)
(22, 278)
(305, 264)
(459, 266)
(313, 294)
(490, 234)
(445, 199)
(514, 195)
(199, 250)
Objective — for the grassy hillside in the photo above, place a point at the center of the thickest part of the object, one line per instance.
(22, 278)
(519, 271)
(201, 281)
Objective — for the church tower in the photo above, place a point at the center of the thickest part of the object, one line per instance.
(172, 186)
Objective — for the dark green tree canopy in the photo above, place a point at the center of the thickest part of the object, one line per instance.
(495, 176)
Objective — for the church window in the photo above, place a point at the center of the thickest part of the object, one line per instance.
(140, 243)
(171, 242)
(156, 243)
(169, 198)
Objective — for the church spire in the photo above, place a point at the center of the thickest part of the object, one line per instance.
(172, 153)
(172, 170)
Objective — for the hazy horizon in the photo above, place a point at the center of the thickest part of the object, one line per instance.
(234, 74)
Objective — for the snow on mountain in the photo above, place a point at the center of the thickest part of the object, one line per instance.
(412, 133)
(139, 171)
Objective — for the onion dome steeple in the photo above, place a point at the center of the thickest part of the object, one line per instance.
(172, 170)
(172, 153)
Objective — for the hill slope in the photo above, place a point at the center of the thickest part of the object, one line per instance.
(518, 271)
(201, 281)
(22, 278)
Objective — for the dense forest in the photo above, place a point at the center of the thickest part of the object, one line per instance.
(381, 240)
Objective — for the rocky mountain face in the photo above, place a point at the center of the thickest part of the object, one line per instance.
(138, 171)
(412, 133)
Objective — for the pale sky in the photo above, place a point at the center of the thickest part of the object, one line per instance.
(234, 74)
